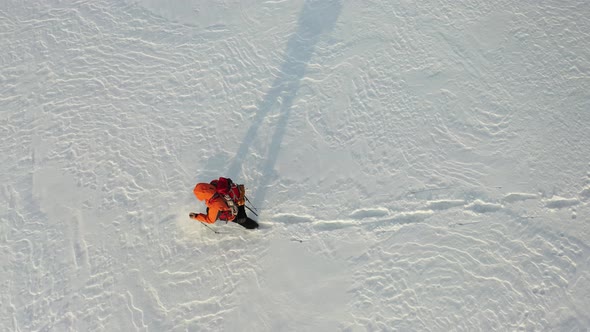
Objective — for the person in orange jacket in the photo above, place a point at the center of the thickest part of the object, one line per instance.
(218, 207)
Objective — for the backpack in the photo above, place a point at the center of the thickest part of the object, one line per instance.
(234, 196)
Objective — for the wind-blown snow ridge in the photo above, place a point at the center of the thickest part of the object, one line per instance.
(560, 202)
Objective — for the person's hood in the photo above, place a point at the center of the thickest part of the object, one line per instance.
(204, 191)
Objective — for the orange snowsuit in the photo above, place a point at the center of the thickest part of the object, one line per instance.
(215, 205)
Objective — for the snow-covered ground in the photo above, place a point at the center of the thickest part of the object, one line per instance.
(418, 165)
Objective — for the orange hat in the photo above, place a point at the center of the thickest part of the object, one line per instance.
(204, 191)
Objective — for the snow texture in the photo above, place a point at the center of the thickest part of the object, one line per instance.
(417, 165)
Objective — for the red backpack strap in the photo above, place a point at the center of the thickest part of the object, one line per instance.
(227, 190)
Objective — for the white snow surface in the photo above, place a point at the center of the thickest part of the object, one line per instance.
(417, 165)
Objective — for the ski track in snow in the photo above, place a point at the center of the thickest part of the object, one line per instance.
(417, 166)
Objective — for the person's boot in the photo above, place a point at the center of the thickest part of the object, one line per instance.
(249, 224)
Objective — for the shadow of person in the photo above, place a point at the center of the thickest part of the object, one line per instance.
(316, 18)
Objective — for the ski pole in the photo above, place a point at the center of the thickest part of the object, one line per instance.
(212, 230)
(251, 204)
(247, 207)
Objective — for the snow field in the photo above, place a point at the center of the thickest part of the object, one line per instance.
(418, 166)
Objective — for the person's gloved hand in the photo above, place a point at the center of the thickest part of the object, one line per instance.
(192, 215)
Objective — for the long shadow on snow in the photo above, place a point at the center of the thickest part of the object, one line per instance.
(316, 18)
